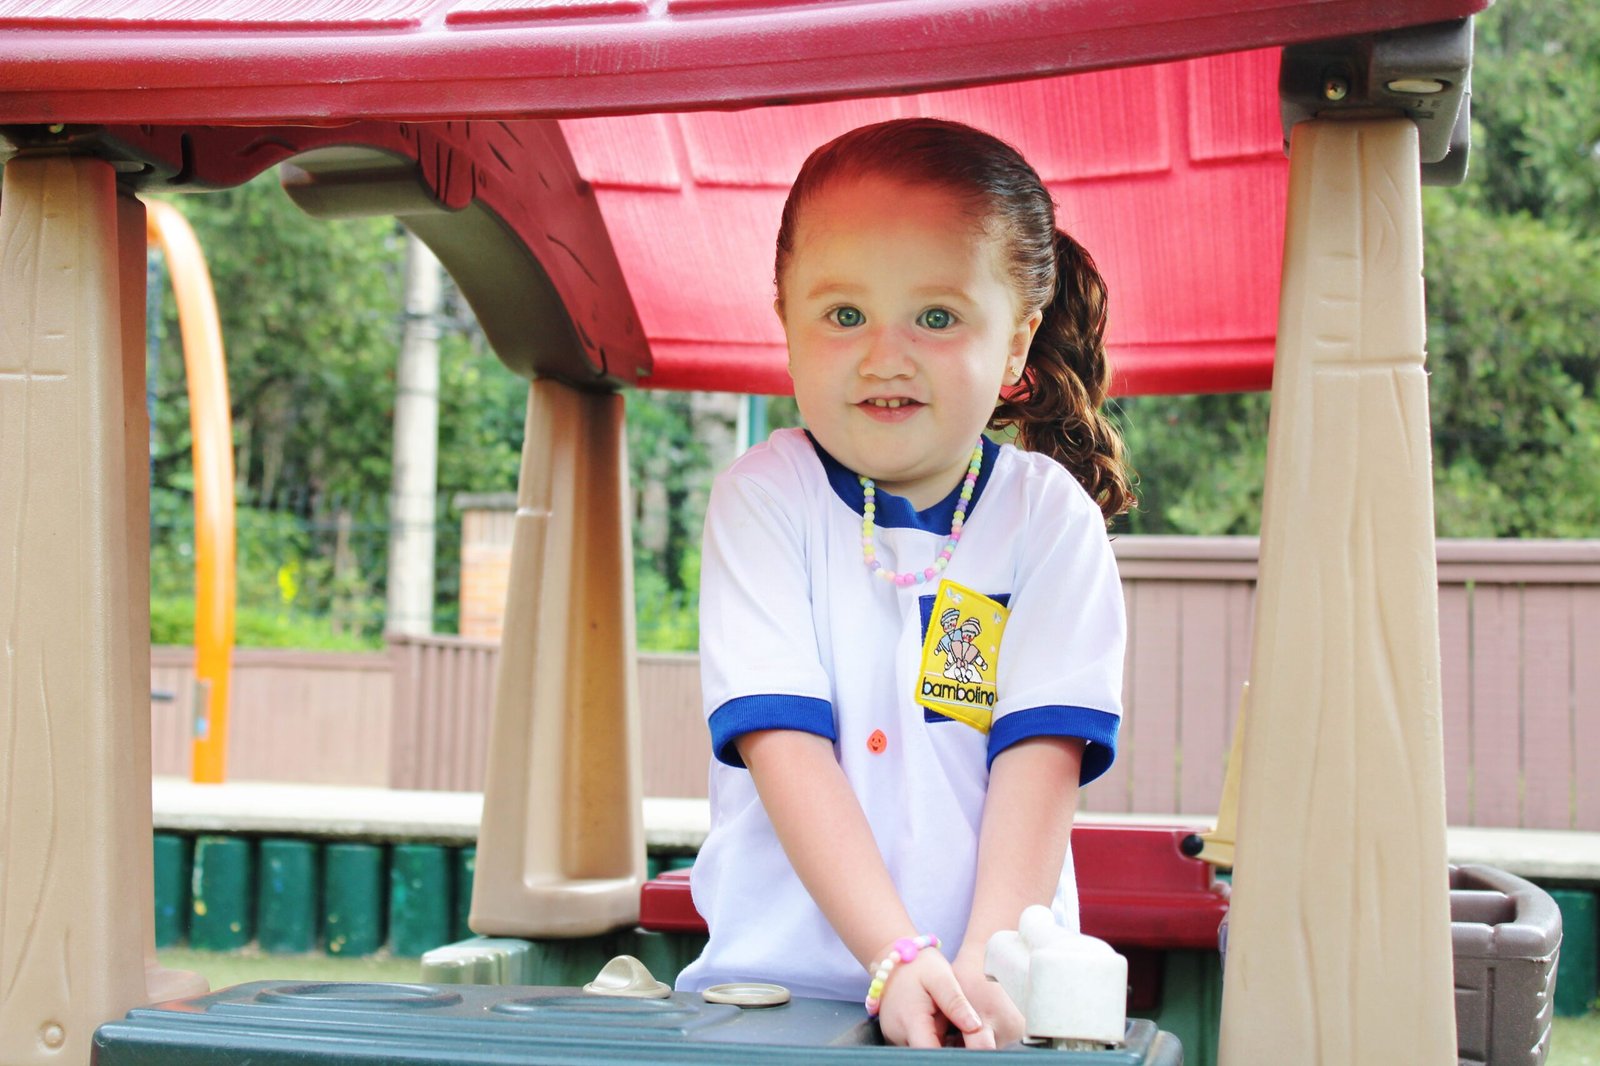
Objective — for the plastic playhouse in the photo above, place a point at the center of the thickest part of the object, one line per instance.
(587, 172)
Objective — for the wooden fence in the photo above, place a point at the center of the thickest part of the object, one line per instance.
(307, 717)
(1520, 650)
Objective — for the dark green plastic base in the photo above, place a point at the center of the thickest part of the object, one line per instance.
(223, 884)
(286, 897)
(352, 893)
(282, 1023)
(174, 861)
(1575, 967)
(419, 898)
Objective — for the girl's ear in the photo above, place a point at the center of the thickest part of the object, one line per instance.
(1021, 341)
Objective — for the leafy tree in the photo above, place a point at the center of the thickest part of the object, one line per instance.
(1513, 269)
(310, 315)
(1513, 292)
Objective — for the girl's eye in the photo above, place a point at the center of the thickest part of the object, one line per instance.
(846, 316)
(936, 318)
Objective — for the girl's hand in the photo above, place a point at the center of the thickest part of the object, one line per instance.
(923, 1000)
(999, 1014)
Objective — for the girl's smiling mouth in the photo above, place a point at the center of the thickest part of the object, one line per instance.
(889, 409)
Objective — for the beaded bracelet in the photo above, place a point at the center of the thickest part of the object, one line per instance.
(904, 950)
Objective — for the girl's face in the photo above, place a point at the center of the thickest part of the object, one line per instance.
(902, 329)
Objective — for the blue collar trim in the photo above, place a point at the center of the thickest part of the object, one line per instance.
(896, 512)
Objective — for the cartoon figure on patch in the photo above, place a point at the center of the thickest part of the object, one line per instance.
(959, 672)
(962, 659)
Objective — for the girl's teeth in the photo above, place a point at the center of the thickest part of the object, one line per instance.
(887, 403)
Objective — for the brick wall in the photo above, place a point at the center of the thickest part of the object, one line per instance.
(486, 526)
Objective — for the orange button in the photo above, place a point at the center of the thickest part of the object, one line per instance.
(877, 742)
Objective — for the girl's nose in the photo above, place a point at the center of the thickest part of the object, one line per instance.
(886, 356)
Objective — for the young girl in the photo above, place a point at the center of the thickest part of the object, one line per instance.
(911, 638)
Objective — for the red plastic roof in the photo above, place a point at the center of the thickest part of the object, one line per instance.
(1171, 173)
(272, 61)
(692, 204)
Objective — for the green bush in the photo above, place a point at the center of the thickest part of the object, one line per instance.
(172, 622)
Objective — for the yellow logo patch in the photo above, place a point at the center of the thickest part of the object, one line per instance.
(960, 656)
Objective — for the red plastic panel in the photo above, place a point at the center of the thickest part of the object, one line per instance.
(1111, 124)
(1135, 890)
(665, 905)
(184, 14)
(533, 10)
(1227, 120)
(633, 151)
(233, 63)
(767, 146)
(1182, 213)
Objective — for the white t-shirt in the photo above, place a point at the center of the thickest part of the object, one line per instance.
(796, 633)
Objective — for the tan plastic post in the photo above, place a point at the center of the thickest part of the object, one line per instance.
(561, 847)
(76, 940)
(1217, 845)
(1339, 939)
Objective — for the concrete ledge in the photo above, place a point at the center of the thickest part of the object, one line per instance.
(681, 824)
(373, 813)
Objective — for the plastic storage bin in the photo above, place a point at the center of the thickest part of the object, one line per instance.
(1506, 934)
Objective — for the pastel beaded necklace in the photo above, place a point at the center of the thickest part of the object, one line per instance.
(869, 507)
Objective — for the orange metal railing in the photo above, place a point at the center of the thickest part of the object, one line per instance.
(211, 426)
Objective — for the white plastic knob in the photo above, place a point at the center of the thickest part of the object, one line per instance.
(1069, 987)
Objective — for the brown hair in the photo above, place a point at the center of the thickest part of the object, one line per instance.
(1056, 408)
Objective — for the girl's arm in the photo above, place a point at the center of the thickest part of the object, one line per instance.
(830, 845)
(1022, 843)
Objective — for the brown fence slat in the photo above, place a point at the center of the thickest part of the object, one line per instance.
(1496, 724)
(1153, 717)
(1455, 657)
(1586, 701)
(677, 747)
(1110, 791)
(1547, 756)
(403, 751)
(1203, 695)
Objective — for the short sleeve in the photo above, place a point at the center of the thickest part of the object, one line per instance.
(1061, 658)
(759, 663)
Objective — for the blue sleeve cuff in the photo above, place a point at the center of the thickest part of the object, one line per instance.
(1098, 728)
(749, 713)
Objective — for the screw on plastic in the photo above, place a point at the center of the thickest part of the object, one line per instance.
(1335, 88)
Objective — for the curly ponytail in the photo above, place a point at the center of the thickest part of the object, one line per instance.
(1056, 408)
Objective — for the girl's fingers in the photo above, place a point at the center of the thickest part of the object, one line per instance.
(982, 1040)
(921, 1032)
(948, 997)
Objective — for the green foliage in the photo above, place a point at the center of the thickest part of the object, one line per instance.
(1514, 308)
(311, 319)
(1513, 294)
(670, 470)
(1513, 269)
(1199, 460)
(172, 622)
(1536, 112)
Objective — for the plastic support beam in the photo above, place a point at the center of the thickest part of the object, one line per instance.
(1339, 936)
